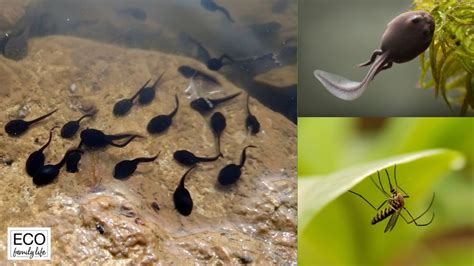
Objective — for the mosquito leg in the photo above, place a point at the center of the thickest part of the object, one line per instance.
(419, 216)
(413, 220)
(389, 182)
(380, 182)
(362, 197)
(396, 183)
(381, 190)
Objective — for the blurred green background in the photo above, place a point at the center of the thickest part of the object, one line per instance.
(335, 36)
(341, 233)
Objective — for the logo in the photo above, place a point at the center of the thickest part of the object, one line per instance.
(29, 243)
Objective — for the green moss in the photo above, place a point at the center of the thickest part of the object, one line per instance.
(449, 65)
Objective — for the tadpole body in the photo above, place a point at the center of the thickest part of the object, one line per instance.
(188, 158)
(147, 94)
(94, 138)
(211, 5)
(182, 198)
(231, 173)
(36, 159)
(406, 37)
(122, 107)
(161, 123)
(191, 73)
(70, 129)
(18, 127)
(215, 64)
(126, 168)
(72, 161)
(205, 105)
(48, 173)
(251, 122)
(218, 124)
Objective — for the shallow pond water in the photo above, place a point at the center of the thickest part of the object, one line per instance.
(85, 57)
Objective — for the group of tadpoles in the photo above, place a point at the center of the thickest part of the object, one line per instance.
(90, 139)
(396, 204)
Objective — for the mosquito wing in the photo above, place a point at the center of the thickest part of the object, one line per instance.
(393, 220)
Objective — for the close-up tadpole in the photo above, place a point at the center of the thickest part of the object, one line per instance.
(407, 36)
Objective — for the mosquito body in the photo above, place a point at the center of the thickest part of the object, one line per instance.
(395, 203)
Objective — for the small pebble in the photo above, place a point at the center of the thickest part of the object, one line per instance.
(155, 206)
(23, 111)
(100, 229)
(73, 88)
(244, 259)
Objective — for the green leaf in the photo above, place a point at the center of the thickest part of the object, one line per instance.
(314, 193)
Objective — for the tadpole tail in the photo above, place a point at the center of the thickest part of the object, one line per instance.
(84, 116)
(41, 117)
(346, 89)
(226, 13)
(218, 139)
(120, 136)
(139, 90)
(125, 143)
(221, 100)
(49, 140)
(243, 157)
(226, 56)
(209, 159)
(177, 106)
(181, 182)
(158, 80)
(147, 159)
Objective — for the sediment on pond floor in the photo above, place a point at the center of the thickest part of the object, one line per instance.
(253, 220)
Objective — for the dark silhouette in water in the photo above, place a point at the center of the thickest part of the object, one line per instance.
(36, 159)
(47, 173)
(16, 45)
(212, 6)
(122, 107)
(147, 94)
(126, 168)
(70, 129)
(189, 72)
(203, 54)
(18, 127)
(406, 36)
(73, 160)
(251, 121)
(204, 105)
(188, 158)
(160, 123)
(94, 138)
(216, 64)
(182, 198)
(218, 124)
(232, 172)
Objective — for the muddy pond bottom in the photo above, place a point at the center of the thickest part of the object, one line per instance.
(95, 218)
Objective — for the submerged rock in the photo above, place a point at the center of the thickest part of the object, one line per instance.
(85, 210)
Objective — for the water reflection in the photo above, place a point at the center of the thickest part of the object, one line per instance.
(239, 39)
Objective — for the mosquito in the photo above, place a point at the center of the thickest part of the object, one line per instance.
(396, 204)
